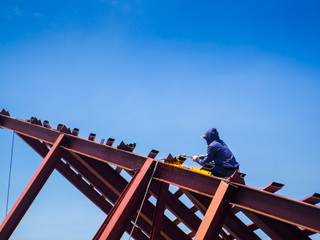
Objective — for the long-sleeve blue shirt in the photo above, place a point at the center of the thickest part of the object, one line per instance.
(218, 151)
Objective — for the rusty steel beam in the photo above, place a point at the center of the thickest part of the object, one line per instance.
(236, 228)
(86, 168)
(252, 226)
(184, 214)
(277, 207)
(181, 211)
(111, 194)
(129, 204)
(169, 231)
(225, 236)
(114, 208)
(92, 176)
(276, 230)
(159, 211)
(32, 189)
(94, 196)
(312, 199)
(99, 183)
(111, 177)
(246, 198)
(121, 158)
(86, 189)
(273, 228)
(273, 187)
(216, 214)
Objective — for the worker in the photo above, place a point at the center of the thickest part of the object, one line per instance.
(218, 154)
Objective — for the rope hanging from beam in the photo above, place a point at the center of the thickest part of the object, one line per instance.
(10, 168)
(144, 198)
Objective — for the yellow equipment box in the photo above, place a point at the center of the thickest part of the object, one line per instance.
(200, 170)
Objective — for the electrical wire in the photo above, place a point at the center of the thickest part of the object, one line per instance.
(10, 168)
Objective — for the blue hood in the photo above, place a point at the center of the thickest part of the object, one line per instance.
(211, 135)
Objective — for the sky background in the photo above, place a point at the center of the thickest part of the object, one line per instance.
(159, 73)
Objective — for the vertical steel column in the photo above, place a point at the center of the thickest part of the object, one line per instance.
(215, 215)
(32, 189)
(129, 204)
(159, 210)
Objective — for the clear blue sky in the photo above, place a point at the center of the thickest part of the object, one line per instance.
(159, 73)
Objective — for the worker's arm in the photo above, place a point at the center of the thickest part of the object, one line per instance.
(212, 149)
(194, 158)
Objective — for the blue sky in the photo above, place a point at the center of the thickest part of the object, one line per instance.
(159, 73)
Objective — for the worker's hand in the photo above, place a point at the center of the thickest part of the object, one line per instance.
(194, 158)
(202, 156)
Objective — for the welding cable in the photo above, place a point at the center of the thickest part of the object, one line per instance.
(10, 168)
(144, 198)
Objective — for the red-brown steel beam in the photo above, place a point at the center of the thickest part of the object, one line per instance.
(217, 213)
(247, 198)
(273, 228)
(95, 197)
(276, 230)
(169, 231)
(225, 236)
(183, 213)
(159, 211)
(113, 178)
(94, 178)
(277, 207)
(236, 228)
(118, 157)
(312, 199)
(83, 186)
(265, 203)
(32, 189)
(273, 187)
(111, 194)
(114, 208)
(70, 175)
(129, 204)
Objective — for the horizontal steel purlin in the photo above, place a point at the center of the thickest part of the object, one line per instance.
(271, 205)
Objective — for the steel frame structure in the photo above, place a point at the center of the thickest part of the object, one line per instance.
(87, 165)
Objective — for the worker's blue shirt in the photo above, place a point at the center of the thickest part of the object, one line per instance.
(218, 152)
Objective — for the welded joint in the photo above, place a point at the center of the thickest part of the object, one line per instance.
(138, 169)
(228, 195)
(66, 141)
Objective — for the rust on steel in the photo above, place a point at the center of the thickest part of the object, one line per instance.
(86, 164)
(32, 189)
(216, 214)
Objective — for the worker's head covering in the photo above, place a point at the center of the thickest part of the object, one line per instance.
(211, 135)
